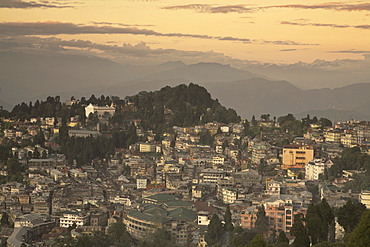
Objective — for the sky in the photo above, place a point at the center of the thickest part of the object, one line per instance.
(152, 31)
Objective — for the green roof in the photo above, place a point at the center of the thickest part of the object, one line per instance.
(183, 214)
(178, 204)
(163, 197)
(147, 217)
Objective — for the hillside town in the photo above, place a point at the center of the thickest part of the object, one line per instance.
(258, 177)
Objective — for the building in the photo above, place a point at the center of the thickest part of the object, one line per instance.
(41, 164)
(280, 211)
(316, 167)
(148, 148)
(273, 187)
(229, 195)
(99, 110)
(365, 198)
(179, 222)
(210, 176)
(333, 136)
(218, 160)
(297, 156)
(141, 183)
(70, 217)
(83, 133)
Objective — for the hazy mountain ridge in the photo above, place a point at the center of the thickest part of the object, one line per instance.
(68, 75)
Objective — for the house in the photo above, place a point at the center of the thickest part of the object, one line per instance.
(99, 110)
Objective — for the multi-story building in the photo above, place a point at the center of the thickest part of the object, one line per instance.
(297, 156)
(229, 195)
(41, 164)
(273, 187)
(280, 211)
(69, 218)
(179, 222)
(210, 176)
(249, 217)
(148, 147)
(349, 139)
(316, 167)
(333, 136)
(218, 160)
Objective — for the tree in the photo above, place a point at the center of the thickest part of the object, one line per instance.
(299, 231)
(282, 240)
(159, 238)
(258, 241)
(84, 241)
(119, 235)
(329, 244)
(314, 223)
(281, 120)
(265, 117)
(214, 231)
(327, 218)
(253, 121)
(350, 214)
(360, 237)
(5, 219)
(227, 218)
(36, 153)
(324, 122)
(262, 225)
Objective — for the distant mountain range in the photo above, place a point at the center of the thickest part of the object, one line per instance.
(26, 77)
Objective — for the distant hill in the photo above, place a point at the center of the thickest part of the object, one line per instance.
(334, 115)
(202, 72)
(27, 77)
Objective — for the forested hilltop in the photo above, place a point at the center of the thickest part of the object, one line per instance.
(183, 105)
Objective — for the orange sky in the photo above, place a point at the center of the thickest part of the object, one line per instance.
(284, 31)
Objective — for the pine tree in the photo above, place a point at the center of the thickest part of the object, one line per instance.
(299, 231)
(227, 218)
(262, 225)
(214, 231)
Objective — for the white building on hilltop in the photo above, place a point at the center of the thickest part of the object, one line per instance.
(99, 110)
(316, 167)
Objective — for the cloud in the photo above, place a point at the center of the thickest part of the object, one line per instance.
(19, 4)
(209, 8)
(289, 50)
(120, 24)
(328, 6)
(352, 51)
(55, 28)
(325, 25)
(139, 54)
(243, 8)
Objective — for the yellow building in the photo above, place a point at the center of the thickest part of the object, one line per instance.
(297, 156)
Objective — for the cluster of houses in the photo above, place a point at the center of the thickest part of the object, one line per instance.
(176, 184)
